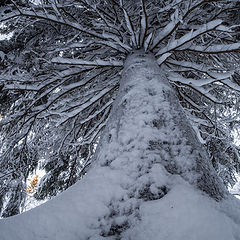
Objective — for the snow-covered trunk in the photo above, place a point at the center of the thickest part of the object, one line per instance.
(149, 138)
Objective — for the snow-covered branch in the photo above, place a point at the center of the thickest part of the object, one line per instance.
(174, 44)
(215, 49)
(81, 62)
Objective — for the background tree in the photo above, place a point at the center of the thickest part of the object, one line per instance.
(64, 72)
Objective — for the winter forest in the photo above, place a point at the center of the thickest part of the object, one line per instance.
(121, 118)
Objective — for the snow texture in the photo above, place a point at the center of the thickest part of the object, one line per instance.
(98, 62)
(183, 213)
(146, 178)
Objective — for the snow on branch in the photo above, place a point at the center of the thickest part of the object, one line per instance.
(107, 18)
(98, 62)
(196, 85)
(129, 24)
(165, 32)
(176, 20)
(71, 114)
(174, 44)
(163, 58)
(144, 23)
(76, 45)
(11, 82)
(49, 17)
(216, 49)
(63, 21)
(196, 82)
(19, 87)
(66, 90)
(232, 85)
(115, 38)
(202, 68)
(92, 116)
(188, 66)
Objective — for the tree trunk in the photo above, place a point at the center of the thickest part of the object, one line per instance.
(149, 130)
(149, 140)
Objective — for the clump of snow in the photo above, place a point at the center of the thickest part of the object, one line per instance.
(184, 213)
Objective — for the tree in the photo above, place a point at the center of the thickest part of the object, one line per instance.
(82, 66)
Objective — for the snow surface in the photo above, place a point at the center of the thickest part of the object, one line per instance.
(144, 183)
(183, 213)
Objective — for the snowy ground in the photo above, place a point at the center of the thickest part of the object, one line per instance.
(183, 213)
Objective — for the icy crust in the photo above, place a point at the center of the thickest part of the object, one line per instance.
(144, 182)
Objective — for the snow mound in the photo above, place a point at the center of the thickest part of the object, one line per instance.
(183, 213)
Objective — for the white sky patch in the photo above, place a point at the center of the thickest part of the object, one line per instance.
(6, 36)
(236, 134)
(36, 2)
